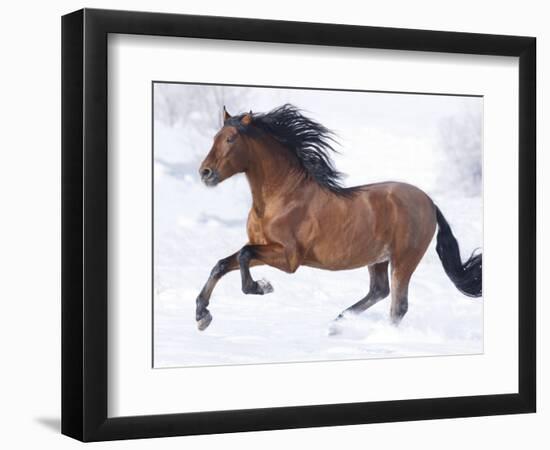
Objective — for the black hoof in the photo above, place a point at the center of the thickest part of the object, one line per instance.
(204, 321)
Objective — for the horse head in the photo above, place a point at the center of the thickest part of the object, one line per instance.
(229, 152)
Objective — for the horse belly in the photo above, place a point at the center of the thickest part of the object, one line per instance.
(347, 240)
(345, 257)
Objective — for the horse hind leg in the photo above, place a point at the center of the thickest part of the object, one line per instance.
(401, 273)
(399, 300)
(379, 290)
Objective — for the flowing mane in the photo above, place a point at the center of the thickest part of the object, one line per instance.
(308, 140)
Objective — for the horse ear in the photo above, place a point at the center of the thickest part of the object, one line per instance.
(225, 114)
(246, 119)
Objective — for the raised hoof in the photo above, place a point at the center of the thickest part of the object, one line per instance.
(259, 287)
(204, 321)
(264, 286)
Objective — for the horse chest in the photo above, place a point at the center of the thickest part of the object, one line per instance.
(256, 229)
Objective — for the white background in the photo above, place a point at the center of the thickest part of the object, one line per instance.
(30, 230)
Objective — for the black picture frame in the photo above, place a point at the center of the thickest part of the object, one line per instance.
(84, 224)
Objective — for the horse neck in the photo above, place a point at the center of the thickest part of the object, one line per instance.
(273, 171)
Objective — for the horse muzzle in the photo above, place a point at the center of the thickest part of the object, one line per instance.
(209, 177)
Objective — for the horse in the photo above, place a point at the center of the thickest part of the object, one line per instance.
(302, 215)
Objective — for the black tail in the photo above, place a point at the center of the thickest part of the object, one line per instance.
(466, 277)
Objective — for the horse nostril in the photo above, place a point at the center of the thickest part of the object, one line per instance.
(205, 173)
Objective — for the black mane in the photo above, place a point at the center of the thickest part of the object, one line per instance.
(310, 141)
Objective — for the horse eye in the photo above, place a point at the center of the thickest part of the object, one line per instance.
(231, 139)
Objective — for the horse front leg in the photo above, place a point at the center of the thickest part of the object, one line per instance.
(223, 266)
(272, 255)
(248, 256)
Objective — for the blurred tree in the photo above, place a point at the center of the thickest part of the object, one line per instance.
(461, 139)
(201, 105)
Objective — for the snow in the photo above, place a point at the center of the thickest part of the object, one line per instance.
(383, 136)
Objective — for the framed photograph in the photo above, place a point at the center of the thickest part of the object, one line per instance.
(273, 224)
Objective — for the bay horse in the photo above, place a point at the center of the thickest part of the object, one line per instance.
(302, 215)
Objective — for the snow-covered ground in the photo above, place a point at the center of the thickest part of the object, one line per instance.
(383, 136)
